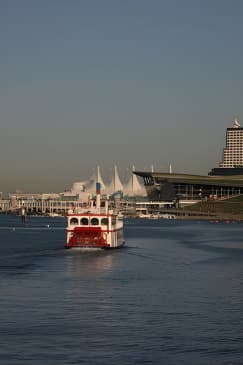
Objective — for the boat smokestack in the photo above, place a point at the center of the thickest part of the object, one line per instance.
(106, 204)
(98, 197)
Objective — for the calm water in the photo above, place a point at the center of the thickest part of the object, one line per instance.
(174, 295)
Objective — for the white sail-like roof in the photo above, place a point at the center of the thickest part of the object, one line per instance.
(78, 187)
(134, 188)
(91, 185)
(115, 184)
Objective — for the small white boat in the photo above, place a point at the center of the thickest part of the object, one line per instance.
(94, 227)
(168, 216)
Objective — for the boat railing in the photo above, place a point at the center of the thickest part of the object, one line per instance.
(91, 210)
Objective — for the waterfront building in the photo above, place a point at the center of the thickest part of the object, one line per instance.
(115, 184)
(4, 205)
(184, 187)
(223, 182)
(132, 188)
(233, 153)
(232, 163)
(43, 204)
(90, 184)
(80, 193)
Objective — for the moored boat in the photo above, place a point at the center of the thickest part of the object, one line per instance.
(94, 227)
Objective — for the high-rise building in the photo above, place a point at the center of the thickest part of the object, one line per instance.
(232, 163)
(233, 153)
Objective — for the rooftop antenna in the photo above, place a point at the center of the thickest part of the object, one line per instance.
(236, 123)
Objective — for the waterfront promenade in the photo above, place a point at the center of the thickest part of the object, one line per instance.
(226, 210)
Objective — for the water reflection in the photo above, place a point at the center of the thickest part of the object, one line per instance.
(87, 264)
(88, 284)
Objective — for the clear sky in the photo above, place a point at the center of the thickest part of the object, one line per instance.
(126, 82)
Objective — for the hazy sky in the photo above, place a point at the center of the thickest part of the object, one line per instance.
(126, 82)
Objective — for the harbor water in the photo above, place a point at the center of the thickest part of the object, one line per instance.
(172, 295)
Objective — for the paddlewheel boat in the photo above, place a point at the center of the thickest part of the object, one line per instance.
(94, 227)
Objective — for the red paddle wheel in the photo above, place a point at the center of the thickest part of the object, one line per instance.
(87, 237)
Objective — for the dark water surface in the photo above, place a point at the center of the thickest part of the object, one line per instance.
(173, 295)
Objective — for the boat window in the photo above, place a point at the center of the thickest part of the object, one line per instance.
(94, 221)
(84, 221)
(104, 221)
(74, 221)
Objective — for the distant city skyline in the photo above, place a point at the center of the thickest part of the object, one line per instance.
(111, 82)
